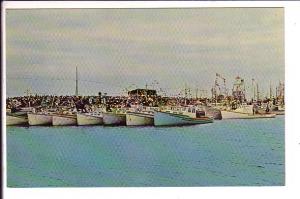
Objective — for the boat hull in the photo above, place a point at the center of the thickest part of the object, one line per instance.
(39, 119)
(114, 119)
(237, 115)
(139, 119)
(16, 120)
(84, 119)
(169, 119)
(63, 120)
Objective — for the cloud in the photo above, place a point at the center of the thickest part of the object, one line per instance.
(119, 47)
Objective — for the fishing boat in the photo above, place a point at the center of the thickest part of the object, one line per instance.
(64, 119)
(139, 119)
(179, 116)
(16, 119)
(140, 116)
(236, 115)
(37, 119)
(116, 117)
(92, 118)
(244, 112)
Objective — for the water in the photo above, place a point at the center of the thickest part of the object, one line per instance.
(225, 153)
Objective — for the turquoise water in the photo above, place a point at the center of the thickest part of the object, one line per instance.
(224, 153)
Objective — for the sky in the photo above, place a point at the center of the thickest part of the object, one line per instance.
(121, 49)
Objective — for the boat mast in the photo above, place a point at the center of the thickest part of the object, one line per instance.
(185, 94)
(27, 93)
(253, 86)
(270, 90)
(147, 92)
(76, 89)
(257, 92)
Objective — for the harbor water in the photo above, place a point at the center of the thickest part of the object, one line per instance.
(223, 153)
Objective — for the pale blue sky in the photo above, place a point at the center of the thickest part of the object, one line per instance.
(115, 48)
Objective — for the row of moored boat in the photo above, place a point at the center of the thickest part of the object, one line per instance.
(115, 118)
(171, 116)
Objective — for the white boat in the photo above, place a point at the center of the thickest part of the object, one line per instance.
(237, 115)
(35, 119)
(12, 120)
(139, 119)
(180, 116)
(64, 120)
(244, 112)
(93, 118)
(114, 118)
